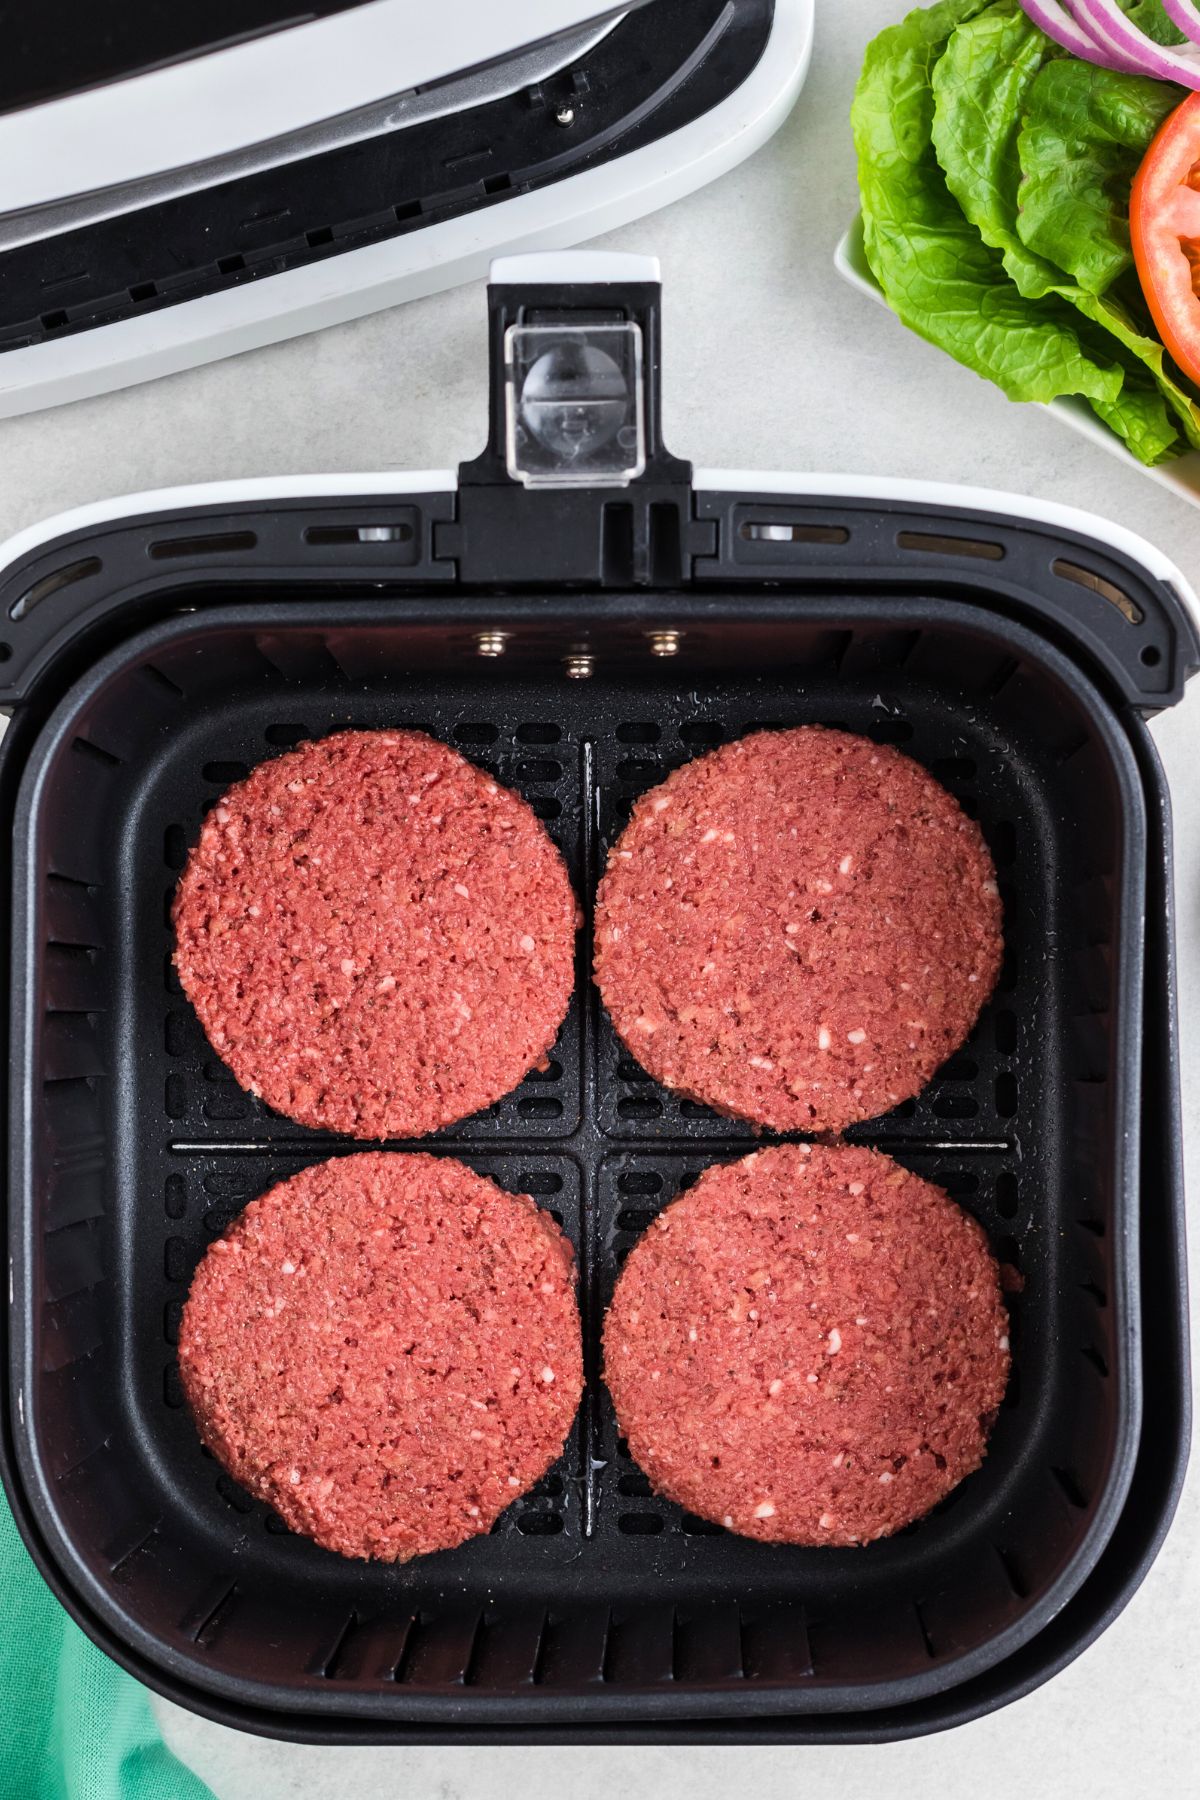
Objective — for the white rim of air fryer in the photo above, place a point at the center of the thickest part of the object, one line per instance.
(946, 496)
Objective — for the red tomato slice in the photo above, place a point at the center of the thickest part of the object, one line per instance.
(1164, 224)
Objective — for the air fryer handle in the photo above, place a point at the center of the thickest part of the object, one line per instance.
(604, 308)
(1125, 616)
(575, 486)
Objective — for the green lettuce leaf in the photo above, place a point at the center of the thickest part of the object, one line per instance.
(1150, 17)
(941, 277)
(995, 67)
(981, 86)
(1084, 133)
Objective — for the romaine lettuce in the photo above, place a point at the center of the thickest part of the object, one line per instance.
(992, 170)
(998, 70)
(1084, 132)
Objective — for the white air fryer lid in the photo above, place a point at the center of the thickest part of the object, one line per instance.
(170, 194)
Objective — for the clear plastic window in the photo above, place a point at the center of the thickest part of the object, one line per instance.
(574, 411)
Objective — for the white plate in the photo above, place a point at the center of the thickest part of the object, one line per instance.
(1182, 475)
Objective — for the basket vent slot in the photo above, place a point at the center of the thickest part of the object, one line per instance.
(41, 590)
(539, 1181)
(332, 535)
(212, 1614)
(286, 735)
(935, 543)
(1099, 584)
(635, 1218)
(640, 1181)
(540, 1106)
(768, 531)
(692, 1525)
(637, 1107)
(331, 1663)
(539, 1524)
(213, 543)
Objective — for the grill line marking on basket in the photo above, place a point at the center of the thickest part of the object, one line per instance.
(349, 1146)
(590, 1443)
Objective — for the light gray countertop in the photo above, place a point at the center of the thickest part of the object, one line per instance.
(770, 363)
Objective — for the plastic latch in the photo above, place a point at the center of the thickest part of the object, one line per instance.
(574, 414)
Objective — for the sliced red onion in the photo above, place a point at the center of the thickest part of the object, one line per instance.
(1183, 13)
(1052, 17)
(1113, 30)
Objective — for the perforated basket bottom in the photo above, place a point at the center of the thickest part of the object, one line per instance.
(592, 1579)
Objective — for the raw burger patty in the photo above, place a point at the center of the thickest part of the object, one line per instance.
(386, 1349)
(378, 939)
(798, 929)
(809, 1346)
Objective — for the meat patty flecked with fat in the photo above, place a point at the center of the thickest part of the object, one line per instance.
(797, 929)
(377, 937)
(386, 1349)
(809, 1346)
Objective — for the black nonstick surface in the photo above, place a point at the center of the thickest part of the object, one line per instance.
(592, 1599)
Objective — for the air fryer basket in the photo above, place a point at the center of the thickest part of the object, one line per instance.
(593, 1603)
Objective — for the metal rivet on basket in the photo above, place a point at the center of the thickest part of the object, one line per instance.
(492, 643)
(565, 115)
(664, 643)
(579, 663)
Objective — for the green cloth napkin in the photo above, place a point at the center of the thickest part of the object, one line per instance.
(72, 1725)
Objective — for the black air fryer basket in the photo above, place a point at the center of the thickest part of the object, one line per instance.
(579, 638)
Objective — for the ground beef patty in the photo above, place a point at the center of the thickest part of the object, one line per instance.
(387, 1350)
(798, 929)
(809, 1346)
(377, 937)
